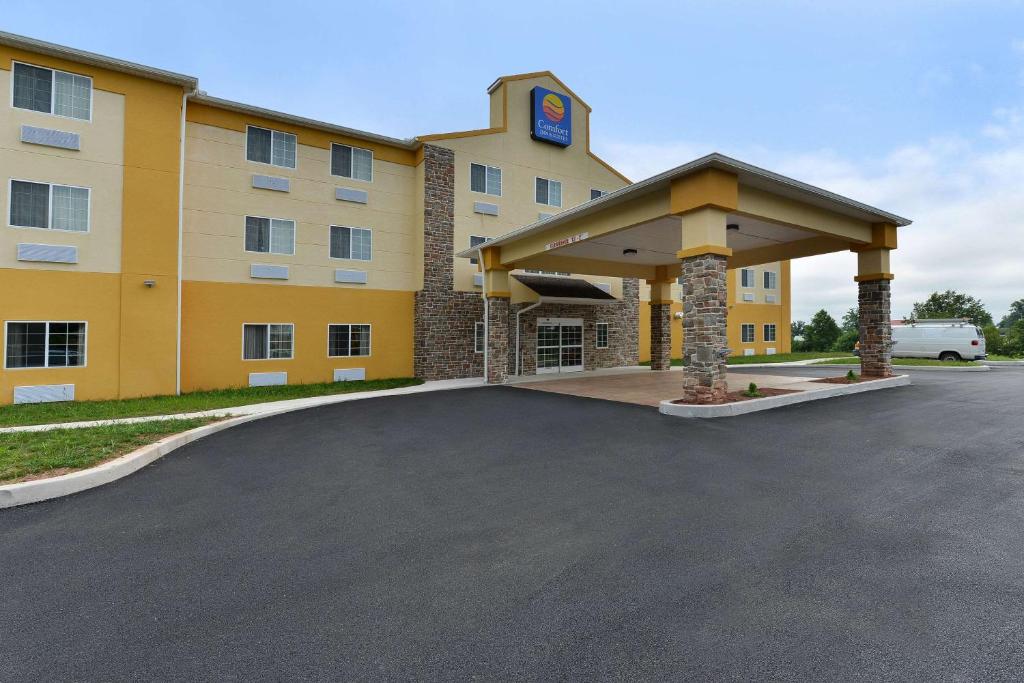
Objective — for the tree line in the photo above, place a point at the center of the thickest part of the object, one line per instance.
(823, 333)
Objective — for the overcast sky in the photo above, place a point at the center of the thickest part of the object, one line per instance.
(915, 107)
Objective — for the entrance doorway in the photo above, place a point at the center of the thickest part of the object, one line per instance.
(559, 345)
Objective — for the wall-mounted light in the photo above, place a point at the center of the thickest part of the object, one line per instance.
(629, 252)
(733, 226)
(149, 283)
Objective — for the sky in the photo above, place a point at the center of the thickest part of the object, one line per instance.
(914, 107)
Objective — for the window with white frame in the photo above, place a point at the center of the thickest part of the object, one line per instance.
(351, 243)
(45, 345)
(476, 241)
(747, 333)
(348, 340)
(479, 338)
(351, 162)
(597, 194)
(747, 277)
(602, 336)
(52, 92)
(269, 235)
(54, 207)
(770, 279)
(549, 192)
(262, 341)
(769, 332)
(485, 179)
(270, 147)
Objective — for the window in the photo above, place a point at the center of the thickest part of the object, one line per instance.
(746, 277)
(596, 194)
(269, 235)
(263, 341)
(478, 338)
(270, 147)
(351, 243)
(45, 345)
(475, 241)
(351, 162)
(52, 92)
(770, 279)
(348, 340)
(549, 192)
(769, 332)
(602, 336)
(55, 207)
(486, 179)
(747, 333)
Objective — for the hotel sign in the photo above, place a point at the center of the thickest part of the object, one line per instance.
(551, 117)
(566, 241)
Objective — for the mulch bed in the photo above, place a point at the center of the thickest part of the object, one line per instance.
(737, 396)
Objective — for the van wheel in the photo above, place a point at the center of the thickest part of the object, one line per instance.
(947, 356)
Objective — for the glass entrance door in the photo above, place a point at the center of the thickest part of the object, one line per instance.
(559, 345)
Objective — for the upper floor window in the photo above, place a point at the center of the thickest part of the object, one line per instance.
(770, 280)
(52, 92)
(267, 146)
(263, 341)
(45, 345)
(56, 207)
(351, 243)
(747, 277)
(351, 162)
(549, 192)
(475, 241)
(269, 235)
(486, 179)
(597, 194)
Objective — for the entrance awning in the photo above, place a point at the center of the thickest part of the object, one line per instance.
(564, 290)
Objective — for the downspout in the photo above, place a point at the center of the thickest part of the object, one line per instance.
(483, 293)
(181, 221)
(519, 313)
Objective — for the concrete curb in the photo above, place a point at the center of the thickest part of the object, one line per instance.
(35, 491)
(758, 404)
(924, 368)
(1003, 363)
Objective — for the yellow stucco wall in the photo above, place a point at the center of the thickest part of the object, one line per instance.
(214, 313)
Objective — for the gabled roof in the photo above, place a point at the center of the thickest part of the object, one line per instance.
(71, 54)
(537, 74)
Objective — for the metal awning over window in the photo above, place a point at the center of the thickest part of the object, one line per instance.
(570, 290)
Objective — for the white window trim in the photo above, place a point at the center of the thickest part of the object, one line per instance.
(271, 164)
(753, 333)
(267, 325)
(549, 181)
(764, 331)
(350, 258)
(49, 210)
(774, 278)
(486, 168)
(295, 236)
(594, 189)
(330, 161)
(754, 278)
(597, 336)
(473, 260)
(483, 337)
(53, 91)
(46, 350)
(369, 339)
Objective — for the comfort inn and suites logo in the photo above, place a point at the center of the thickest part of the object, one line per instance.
(551, 119)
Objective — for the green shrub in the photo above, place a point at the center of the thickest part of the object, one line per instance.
(752, 391)
(850, 376)
(993, 339)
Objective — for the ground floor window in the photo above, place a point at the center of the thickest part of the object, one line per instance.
(478, 338)
(769, 332)
(45, 345)
(747, 333)
(348, 340)
(262, 341)
(602, 336)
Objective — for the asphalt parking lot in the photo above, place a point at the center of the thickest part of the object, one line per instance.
(502, 533)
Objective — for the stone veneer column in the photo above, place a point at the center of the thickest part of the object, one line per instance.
(661, 336)
(629, 322)
(874, 309)
(705, 306)
(498, 311)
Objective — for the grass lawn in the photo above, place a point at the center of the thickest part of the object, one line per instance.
(900, 361)
(59, 450)
(996, 356)
(76, 411)
(774, 358)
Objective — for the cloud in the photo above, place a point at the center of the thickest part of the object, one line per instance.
(964, 195)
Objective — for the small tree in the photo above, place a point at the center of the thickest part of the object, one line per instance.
(1013, 345)
(952, 304)
(993, 340)
(851, 320)
(822, 333)
(1016, 313)
(797, 329)
(847, 340)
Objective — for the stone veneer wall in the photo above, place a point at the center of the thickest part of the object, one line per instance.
(705, 343)
(874, 308)
(661, 336)
(445, 325)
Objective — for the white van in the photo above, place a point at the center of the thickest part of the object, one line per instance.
(942, 339)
